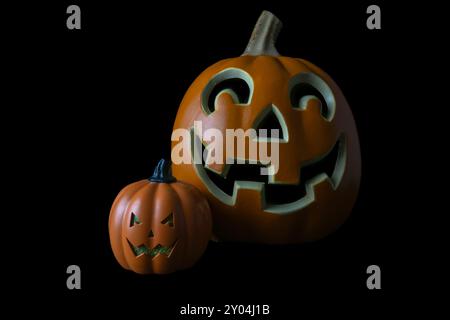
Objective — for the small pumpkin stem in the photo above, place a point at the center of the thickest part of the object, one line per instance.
(163, 172)
(264, 36)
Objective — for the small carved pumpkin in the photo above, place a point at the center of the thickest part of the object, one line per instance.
(159, 225)
(317, 182)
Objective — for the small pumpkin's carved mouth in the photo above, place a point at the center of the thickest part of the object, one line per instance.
(153, 252)
(278, 198)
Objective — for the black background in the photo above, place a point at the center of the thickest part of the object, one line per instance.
(105, 98)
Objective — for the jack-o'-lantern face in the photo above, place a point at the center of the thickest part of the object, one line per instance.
(318, 176)
(147, 244)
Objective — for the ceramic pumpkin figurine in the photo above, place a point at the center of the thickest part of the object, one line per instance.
(317, 182)
(159, 225)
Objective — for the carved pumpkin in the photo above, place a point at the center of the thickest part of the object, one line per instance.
(159, 225)
(318, 178)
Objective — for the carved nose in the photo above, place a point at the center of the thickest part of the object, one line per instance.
(271, 119)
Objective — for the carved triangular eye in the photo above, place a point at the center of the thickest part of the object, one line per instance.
(168, 220)
(134, 220)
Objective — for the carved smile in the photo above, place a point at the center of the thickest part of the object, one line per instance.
(153, 252)
(277, 198)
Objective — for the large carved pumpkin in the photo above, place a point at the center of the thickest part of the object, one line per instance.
(159, 225)
(319, 157)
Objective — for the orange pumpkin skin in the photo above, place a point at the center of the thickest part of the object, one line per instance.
(248, 217)
(173, 220)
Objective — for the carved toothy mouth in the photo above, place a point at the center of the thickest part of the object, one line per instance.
(156, 250)
(275, 197)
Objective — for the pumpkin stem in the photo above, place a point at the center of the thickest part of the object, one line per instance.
(264, 36)
(163, 172)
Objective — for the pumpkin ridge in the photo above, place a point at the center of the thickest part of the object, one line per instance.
(122, 193)
(127, 210)
(181, 221)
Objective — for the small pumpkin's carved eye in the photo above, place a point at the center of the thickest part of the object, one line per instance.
(306, 86)
(233, 81)
(134, 220)
(168, 220)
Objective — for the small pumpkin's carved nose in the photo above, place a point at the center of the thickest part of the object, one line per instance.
(271, 119)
